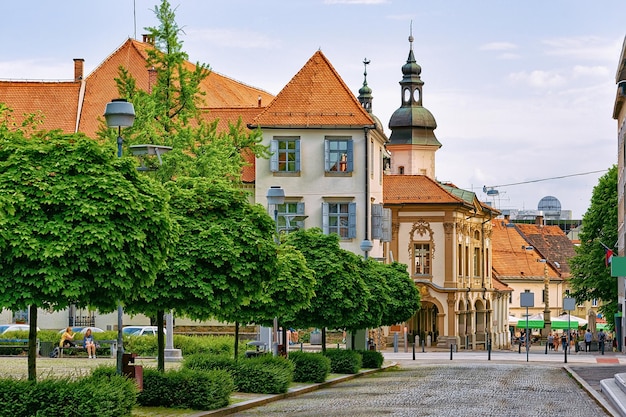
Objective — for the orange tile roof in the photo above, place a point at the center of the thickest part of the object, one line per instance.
(552, 243)
(60, 101)
(500, 286)
(57, 102)
(510, 260)
(315, 97)
(408, 189)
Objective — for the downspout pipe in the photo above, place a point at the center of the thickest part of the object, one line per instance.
(367, 183)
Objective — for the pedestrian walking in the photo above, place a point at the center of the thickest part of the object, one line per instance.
(601, 340)
(588, 337)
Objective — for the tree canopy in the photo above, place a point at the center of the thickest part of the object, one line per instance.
(591, 277)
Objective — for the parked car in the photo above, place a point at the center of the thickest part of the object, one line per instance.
(14, 328)
(140, 330)
(83, 330)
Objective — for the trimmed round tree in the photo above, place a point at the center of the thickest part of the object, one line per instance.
(77, 225)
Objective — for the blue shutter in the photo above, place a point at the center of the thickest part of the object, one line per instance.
(386, 225)
(350, 156)
(325, 227)
(298, 155)
(300, 212)
(326, 155)
(274, 156)
(352, 220)
(377, 221)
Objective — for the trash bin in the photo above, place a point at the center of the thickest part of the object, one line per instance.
(132, 371)
(316, 337)
(45, 348)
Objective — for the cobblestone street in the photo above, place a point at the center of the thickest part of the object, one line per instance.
(446, 390)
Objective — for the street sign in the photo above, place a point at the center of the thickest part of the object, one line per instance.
(618, 266)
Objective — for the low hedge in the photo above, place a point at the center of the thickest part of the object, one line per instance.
(265, 374)
(85, 397)
(309, 367)
(372, 359)
(186, 388)
(344, 361)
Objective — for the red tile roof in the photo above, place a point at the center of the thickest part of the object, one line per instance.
(315, 97)
(552, 243)
(414, 189)
(510, 259)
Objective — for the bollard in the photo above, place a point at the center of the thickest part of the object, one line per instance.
(422, 345)
(451, 347)
(565, 353)
(395, 343)
(301, 347)
(413, 350)
(519, 347)
(546, 348)
(489, 349)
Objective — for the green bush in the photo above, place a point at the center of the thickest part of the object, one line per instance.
(207, 362)
(186, 388)
(86, 397)
(309, 367)
(265, 374)
(372, 359)
(344, 361)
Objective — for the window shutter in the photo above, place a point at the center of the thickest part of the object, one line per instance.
(298, 155)
(325, 226)
(352, 220)
(350, 156)
(386, 225)
(274, 156)
(300, 212)
(377, 221)
(326, 155)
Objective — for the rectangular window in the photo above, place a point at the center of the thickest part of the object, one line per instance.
(421, 255)
(459, 255)
(594, 302)
(476, 262)
(285, 154)
(290, 216)
(339, 218)
(338, 154)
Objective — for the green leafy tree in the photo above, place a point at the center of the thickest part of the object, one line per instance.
(405, 297)
(341, 294)
(77, 225)
(591, 277)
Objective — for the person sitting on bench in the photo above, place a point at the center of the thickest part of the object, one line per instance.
(67, 339)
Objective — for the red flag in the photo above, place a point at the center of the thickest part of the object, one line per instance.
(608, 256)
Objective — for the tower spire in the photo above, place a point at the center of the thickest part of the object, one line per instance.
(365, 92)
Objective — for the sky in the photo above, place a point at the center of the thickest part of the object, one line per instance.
(522, 92)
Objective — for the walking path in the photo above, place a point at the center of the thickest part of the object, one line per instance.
(466, 383)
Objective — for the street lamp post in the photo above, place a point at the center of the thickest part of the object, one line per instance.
(547, 325)
(275, 197)
(119, 113)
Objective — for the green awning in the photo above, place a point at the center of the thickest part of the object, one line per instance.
(532, 324)
(562, 324)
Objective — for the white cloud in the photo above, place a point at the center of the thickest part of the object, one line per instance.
(498, 46)
(539, 79)
(583, 47)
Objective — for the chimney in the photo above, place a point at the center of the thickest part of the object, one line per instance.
(147, 38)
(539, 219)
(152, 78)
(259, 101)
(78, 69)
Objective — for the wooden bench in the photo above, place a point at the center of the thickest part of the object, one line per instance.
(79, 348)
(15, 344)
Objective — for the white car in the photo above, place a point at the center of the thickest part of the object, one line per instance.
(140, 330)
(14, 328)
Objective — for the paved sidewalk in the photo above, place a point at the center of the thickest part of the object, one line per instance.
(469, 384)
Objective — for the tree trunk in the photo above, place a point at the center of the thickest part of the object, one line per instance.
(32, 344)
(160, 342)
(236, 340)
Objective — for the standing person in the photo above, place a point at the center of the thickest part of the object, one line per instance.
(550, 341)
(588, 337)
(601, 340)
(67, 338)
(89, 344)
(564, 341)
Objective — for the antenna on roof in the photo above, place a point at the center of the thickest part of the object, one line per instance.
(135, 18)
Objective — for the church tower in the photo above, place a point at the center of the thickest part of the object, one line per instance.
(413, 142)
